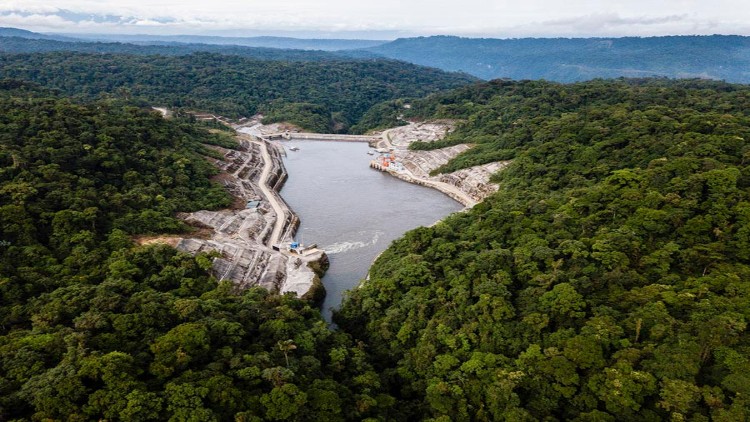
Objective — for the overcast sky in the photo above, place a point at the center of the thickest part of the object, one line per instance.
(382, 18)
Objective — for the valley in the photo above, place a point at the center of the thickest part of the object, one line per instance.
(562, 251)
(253, 239)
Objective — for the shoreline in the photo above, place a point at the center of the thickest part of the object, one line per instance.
(254, 243)
(468, 186)
(455, 194)
(255, 238)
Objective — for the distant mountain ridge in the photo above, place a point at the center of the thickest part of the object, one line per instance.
(324, 44)
(16, 44)
(262, 41)
(724, 57)
(22, 33)
(13, 40)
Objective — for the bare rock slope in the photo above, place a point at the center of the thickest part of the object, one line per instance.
(252, 241)
(473, 184)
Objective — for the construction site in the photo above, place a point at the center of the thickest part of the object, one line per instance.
(253, 242)
(467, 186)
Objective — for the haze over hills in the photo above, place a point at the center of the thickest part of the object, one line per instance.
(324, 44)
(17, 44)
(605, 279)
(22, 33)
(316, 95)
(263, 41)
(576, 59)
(723, 57)
(13, 40)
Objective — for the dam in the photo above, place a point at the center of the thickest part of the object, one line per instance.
(301, 136)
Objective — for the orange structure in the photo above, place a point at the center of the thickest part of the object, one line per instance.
(387, 159)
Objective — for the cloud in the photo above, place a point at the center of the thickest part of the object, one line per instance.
(21, 7)
(89, 17)
(614, 24)
(501, 18)
(607, 20)
(49, 22)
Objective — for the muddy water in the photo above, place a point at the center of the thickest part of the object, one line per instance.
(351, 211)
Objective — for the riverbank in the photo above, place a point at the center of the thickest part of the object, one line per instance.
(468, 186)
(352, 211)
(254, 240)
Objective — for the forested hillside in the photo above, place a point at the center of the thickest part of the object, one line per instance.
(606, 280)
(337, 93)
(262, 42)
(6, 32)
(18, 44)
(577, 59)
(94, 328)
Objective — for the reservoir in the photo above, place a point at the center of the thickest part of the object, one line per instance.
(352, 211)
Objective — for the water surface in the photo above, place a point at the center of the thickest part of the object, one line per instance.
(352, 211)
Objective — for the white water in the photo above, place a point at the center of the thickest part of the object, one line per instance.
(340, 247)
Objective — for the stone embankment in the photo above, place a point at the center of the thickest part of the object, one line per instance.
(468, 186)
(301, 136)
(252, 239)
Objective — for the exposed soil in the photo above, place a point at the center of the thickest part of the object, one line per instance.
(150, 240)
(252, 240)
(473, 183)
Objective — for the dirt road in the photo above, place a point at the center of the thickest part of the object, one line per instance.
(268, 192)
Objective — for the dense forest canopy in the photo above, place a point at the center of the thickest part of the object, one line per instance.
(606, 280)
(341, 91)
(502, 118)
(93, 327)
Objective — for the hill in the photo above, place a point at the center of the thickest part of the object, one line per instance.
(95, 327)
(577, 59)
(265, 42)
(605, 280)
(286, 43)
(317, 95)
(22, 33)
(32, 44)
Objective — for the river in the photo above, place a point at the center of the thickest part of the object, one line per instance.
(352, 211)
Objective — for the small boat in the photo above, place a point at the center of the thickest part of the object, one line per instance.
(293, 149)
(370, 152)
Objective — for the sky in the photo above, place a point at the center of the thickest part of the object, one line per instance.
(382, 19)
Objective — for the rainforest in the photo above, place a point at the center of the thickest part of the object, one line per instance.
(606, 279)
